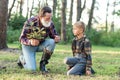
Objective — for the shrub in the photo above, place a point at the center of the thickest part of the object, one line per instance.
(94, 36)
(16, 21)
(103, 38)
(13, 35)
(57, 23)
(111, 39)
(69, 33)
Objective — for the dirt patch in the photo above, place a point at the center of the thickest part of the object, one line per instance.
(8, 64)
(11, 50)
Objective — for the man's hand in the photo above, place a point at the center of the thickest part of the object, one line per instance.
(88, 72)
(57, 38)
(34, 42)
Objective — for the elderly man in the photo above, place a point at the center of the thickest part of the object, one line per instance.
(34, 38)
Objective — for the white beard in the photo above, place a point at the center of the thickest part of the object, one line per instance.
(45, 23)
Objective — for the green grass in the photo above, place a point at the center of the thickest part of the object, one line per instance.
(106, 63)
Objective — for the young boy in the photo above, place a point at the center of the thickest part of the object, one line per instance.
(81, 61)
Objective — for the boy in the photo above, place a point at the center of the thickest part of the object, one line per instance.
(81, 61)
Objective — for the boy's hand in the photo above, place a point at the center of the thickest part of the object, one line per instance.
(34, 42)
(88, 72)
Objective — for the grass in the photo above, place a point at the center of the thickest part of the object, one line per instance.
(106, 63)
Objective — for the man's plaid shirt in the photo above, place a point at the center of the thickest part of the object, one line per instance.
(35, 23)
(82, 46)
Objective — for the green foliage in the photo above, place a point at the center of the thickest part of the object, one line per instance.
(103, 38)
(94, 36)
(16, 21)
(57, 23)
(118, 13)
(69, 33)
(13, 35)
(35, 11)
(15, 25)
(111, 39)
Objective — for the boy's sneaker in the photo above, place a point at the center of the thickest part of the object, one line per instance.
(69, 67)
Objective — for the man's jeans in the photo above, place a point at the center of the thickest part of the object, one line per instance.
(78, 65)
(29, 53)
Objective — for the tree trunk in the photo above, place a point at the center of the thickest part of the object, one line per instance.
(63, 20)
(3, 23)
(106, 24)
(27, 9)
(113, 21)
(17, 7)
(9, 13)
(54, 6)
(46, 3)
(80, 9)
(39, 4)
(31, 8)
(58, 8)
(71, 12)
(21, 5)
(112, 26)
(91, 15)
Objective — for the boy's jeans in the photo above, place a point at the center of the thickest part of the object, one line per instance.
(78, 65)
(29, 53)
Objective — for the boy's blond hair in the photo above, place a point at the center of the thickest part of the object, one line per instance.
(80, 24)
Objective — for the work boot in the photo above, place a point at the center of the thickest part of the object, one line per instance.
(69, 67)
(43, 67)
(44, 60)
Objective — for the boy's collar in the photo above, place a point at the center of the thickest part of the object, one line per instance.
(80, 38)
